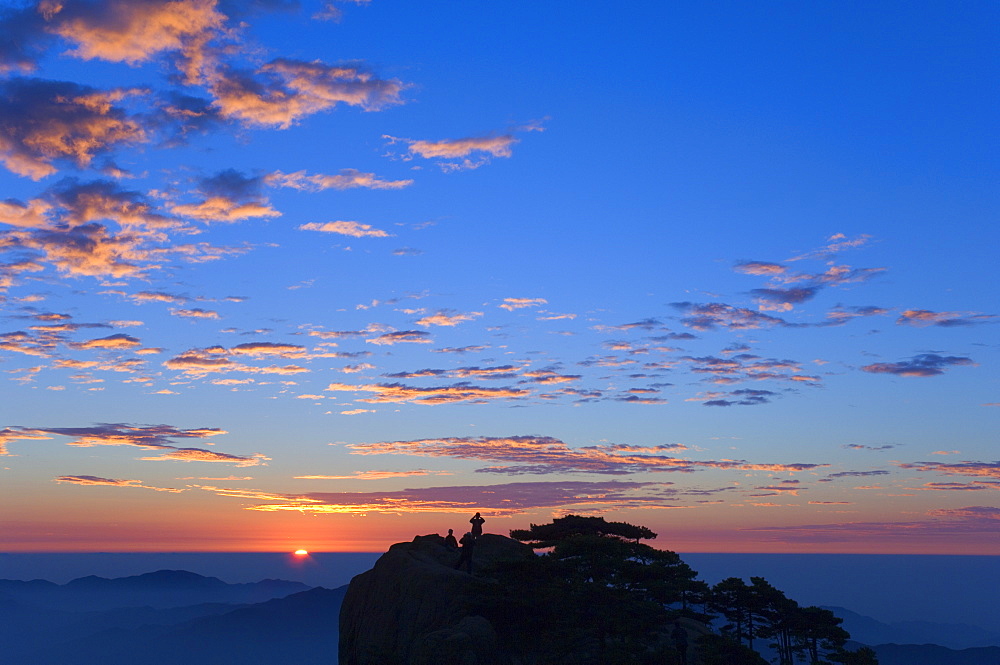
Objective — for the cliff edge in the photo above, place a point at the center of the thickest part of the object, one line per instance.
(414, 608)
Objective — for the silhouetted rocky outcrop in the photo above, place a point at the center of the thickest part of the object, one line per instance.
(414, 608)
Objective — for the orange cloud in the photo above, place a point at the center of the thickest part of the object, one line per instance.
(222, 209)
(448, 149)
(460, 392)
(285, 90)
(199, 455)
(90, 250)
(9, 434)
(117, 341)
(34, 214)
(547, 377)
(193, 363)
(966, 468)
(447, 318)
(760, 268)
(154, 436)
(133, 32)
(114, 482)
(50, 120)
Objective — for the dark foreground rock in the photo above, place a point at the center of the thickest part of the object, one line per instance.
(414, 608)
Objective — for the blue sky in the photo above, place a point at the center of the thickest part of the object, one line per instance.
(724, 270)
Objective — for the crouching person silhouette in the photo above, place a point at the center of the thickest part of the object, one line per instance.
(468, 544)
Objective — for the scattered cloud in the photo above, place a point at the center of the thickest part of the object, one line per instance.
(547, 455)
(925, 317)
(944, 523)
(195, 313)
(858, 446)
(967, 468)
(447, 318)
(510, 304)
(742, 397)
(375, 475)
(857, 474)
(458, 154)
(400, 337)
(228, 196)
(925, 364)
(710, 316)
(459, 392)
(150, 437)
(353, 229)
(491, 500)
(748, 367)
(346, 179)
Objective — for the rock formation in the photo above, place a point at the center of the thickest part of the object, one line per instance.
(414, 608)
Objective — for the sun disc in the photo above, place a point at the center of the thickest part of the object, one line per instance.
(301, 552)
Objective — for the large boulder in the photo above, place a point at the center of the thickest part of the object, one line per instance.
(415, 608)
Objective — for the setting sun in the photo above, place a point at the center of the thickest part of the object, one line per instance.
(301, 552)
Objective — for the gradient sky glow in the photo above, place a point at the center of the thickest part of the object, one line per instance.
(326, 275)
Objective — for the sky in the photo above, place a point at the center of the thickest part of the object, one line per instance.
(327, 275)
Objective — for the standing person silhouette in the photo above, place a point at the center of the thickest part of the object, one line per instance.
(450, 541)
(477, 525)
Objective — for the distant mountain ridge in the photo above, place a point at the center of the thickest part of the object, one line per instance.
(871, 631)
(167, 617)
(932, 654)
(272, 621)
(159, 589)
(300, 628)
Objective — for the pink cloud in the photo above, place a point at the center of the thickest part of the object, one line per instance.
(510, 304)
(353, 229)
